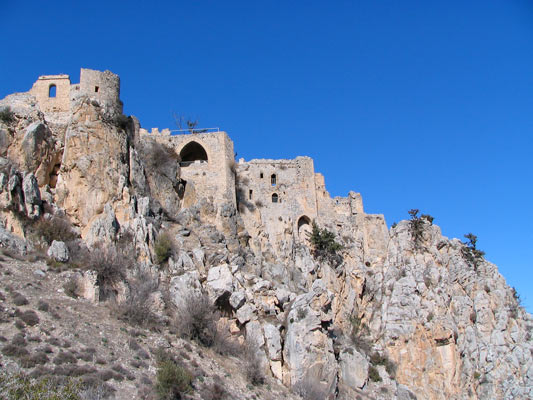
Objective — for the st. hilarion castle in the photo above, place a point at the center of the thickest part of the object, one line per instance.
(151, 219)
(274, 197)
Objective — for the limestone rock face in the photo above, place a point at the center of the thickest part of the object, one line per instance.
(58, 251)
(32, 196)
(353, 369)
(94, 166)
(390, 316)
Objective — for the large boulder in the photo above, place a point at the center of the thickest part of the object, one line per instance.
(58, 251)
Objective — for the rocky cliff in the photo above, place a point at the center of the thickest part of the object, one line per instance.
(402, 313)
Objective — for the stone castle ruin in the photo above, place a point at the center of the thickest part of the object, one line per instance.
(276, 198)
(54, 93)
(417, 312)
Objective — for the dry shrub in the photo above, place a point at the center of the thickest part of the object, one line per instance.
(136, 308)
(65, 358)
(71, 287)
(43, 306)
(253, 365)
(215, 391)
(54, 228)
(157, 156)
(19, 299)
(18, 340)
(10, 350)
(309, 388)
(110, 266)
(30, 318)
(197, 319)
(31, 361)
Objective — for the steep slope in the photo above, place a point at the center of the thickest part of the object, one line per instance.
(400, 313)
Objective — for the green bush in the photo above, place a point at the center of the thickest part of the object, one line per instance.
(471, 254)
(373, 374)
(173, 380)
(417, 226)
(6, 115)
(163, 248)
(20, 386)
(325, 248)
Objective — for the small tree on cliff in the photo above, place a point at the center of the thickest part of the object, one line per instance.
(325, 248)
(416, 226)
(471, 254)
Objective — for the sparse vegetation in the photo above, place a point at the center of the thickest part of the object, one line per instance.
(110, 266)
(71, 287)
(19, 299)
(163, 248)
(309, 388)
(29, 317)
(417, 226)
(122, 121)
(253, 367)
(49, 229)
(325, 247)
(471, 254)
(373, 374)
(157, 157)
(21, 386)
(6, 115)
(173, 380)
(197, 319)
(381, 359)
(136, 308)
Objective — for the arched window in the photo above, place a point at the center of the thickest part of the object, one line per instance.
(52, 90)
(275, 198)
(304, 228)
(192, 152)
(273, 179)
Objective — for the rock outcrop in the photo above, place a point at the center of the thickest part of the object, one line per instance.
(395, 314)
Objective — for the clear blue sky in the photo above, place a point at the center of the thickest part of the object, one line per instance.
(413, 104)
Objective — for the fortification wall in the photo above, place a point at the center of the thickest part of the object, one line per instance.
(52, 92)
(102, 86)
(212, 178)
(274, 195)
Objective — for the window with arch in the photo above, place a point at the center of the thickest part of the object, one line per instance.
(191, 152)
(273, 179)
(275, 198)
(52, 90)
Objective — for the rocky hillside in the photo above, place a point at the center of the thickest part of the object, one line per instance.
(137, 296)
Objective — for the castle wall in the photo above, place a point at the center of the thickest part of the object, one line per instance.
(212, 179)
(294, 186)
(103, 86)
(41, 90)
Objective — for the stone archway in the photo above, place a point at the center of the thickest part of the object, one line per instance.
(191, 152)
(304, 228)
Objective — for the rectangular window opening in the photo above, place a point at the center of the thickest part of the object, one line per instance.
(250, 194)
(96, 88)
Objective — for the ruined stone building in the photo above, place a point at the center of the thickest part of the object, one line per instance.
(276, 198)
